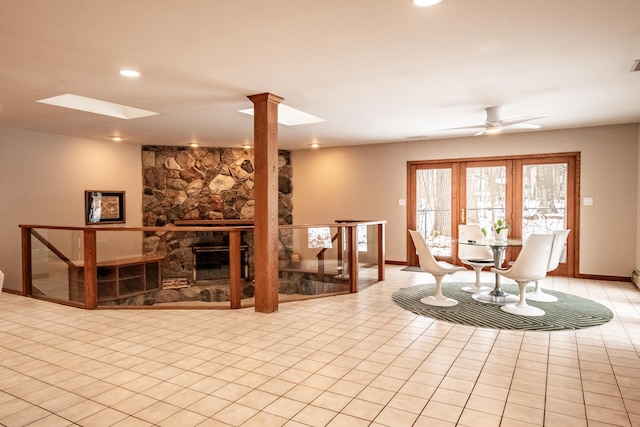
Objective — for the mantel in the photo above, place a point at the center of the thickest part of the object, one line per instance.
(212, 222)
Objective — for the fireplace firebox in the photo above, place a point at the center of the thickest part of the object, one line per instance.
(212, 262)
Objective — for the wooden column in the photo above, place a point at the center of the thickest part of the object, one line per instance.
(265, 134)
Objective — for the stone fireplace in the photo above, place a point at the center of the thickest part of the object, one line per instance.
(184, 183)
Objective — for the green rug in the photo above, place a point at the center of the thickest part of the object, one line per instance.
(569, 312)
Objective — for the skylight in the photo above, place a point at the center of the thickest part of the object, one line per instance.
(97, 106)
(289, 116)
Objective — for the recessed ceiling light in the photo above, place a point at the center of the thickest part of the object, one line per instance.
(289, 116)
(247, 146)
(129, 73)
(425, 3)
(194, 144)
(314, 145)
(117, 138)
(97, 106)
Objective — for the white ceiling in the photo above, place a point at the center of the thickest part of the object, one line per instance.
(377, 70)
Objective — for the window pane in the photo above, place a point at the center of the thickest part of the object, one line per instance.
(544, 198)
(486, 195)
(433, 209)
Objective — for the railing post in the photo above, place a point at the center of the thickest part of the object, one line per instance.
(27, 284)
(352, 247)
(234, 268)
(90, 270)
(381, 253)
(320, 257)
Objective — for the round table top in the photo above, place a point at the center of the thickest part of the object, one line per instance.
(490, 242)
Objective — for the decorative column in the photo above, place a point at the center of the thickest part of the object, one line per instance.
(265, 135)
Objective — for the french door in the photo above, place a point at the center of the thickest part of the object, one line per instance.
(534, 194)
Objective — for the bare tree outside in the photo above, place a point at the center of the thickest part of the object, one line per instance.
(544, 198)
(544, 201)
(486, 195)
(433, 209)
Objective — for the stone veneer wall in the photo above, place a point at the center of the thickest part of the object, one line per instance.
(202, 183)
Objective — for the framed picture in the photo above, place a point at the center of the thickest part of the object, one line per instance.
(104, 207)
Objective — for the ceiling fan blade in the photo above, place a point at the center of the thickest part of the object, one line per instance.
(479, 126)
(524, 126)
(517, 120)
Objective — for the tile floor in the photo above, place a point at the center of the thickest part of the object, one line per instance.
(352, 360)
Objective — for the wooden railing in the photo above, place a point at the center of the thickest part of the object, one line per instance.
(89, 263)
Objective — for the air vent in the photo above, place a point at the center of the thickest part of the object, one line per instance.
(636, 66)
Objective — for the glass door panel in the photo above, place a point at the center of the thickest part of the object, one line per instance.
(486, 195)
(535, 194)
(544, 198)
(433, 209)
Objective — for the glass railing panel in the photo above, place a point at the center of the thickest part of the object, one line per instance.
(368, 247)
(55, 255)
(171, 268)
(311, 262)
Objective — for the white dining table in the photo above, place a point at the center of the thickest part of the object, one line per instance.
(497, 295)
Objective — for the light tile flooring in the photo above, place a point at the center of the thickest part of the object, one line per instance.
(352, 360)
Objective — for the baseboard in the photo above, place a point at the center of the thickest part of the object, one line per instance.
(606, 278)
(580, 276)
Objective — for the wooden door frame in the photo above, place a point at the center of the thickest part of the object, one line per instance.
(412, 168)
(514, 196)
(573, 204)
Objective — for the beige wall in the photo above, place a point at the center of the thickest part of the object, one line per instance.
(366, 182)
(43, 179)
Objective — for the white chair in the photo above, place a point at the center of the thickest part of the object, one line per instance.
(530, 266)
(478, 257)
(556, 254)
(438, 269)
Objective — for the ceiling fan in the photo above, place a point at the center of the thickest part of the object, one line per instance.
(494, 124)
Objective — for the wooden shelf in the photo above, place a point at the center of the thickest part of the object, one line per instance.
(119, 278)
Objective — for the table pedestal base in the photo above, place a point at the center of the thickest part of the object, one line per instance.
(500, 298)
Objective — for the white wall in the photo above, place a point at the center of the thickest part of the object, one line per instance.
(43, 178)
(366, 182)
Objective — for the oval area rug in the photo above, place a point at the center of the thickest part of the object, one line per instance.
(569, 312)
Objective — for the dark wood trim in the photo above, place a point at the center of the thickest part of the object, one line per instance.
(604, 278)
(27, 284)
(90, 270)
(352, 239)
(235, 288)
(381, 251)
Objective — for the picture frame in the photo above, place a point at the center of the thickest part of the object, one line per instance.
(104, 207)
